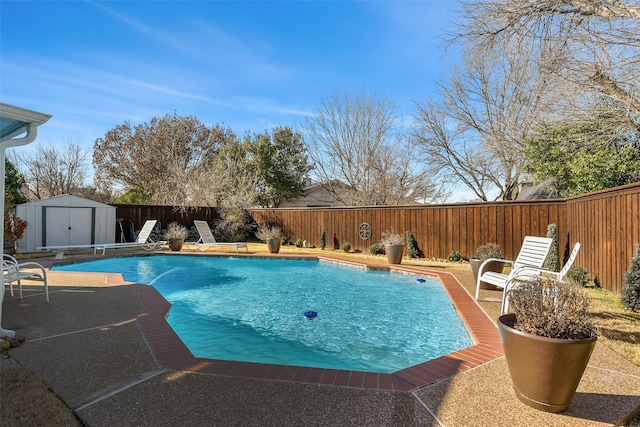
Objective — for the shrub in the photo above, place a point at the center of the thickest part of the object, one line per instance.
(412, 246)
(578, 275)
(631, 288)
(346, 246)
(176, 231)
(552, 262)
(267, 232)
(391, 238)
(551, 309)
(323, 238)
(235, 225)
(299, 243)
(489, 250)
(376, 249)
(454, 256)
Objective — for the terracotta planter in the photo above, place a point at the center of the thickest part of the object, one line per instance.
(176, 244)
(545, 372)
(495, 266)
(394, 253)
(273, 245)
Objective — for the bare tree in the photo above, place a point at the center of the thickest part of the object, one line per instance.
(169, 158)
(361, 154)
(476, 133)
(596, 44)
(458, 154)
(51, 171)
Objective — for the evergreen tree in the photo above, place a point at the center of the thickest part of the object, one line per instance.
(631, 288)
(13, 182)
(412, 246)
(552, 262)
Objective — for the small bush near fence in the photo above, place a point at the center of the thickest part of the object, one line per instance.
(579, 276)
(454, 256)
(631, 289)
(376, 249)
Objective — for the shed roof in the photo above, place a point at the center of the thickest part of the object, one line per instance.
(67, 200)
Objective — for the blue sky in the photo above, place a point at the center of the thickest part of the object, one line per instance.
(247, 65)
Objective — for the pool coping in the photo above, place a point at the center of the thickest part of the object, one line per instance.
(171, 353)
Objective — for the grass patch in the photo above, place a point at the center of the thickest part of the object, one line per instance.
(617, 328)
(26, 401)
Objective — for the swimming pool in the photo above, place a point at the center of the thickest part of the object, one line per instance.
(251, 309)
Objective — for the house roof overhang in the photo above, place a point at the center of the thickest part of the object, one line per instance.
(15, 121)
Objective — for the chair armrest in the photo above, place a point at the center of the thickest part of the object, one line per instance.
(487, 261)
(32, 265)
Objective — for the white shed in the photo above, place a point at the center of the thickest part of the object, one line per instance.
(66, 220)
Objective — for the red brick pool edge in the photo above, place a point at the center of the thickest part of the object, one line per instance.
(171, 353)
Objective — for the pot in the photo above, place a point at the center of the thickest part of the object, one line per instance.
(394, 253)
(496, 266)
(176, 244)
(545, 372)
(273, 245)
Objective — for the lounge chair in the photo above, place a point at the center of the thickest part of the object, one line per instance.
(143, 241)
(17, 272)
(207, 240)
(557, 276)
(533, 252)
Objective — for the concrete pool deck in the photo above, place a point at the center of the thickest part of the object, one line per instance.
(101, 347)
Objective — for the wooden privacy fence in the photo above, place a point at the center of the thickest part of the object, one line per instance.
(437, 229)
(606, 223)
(136, 215)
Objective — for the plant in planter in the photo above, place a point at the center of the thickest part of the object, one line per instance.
(175, 235)
(488, 251)
(393, 246)
(547, 342)
(272, 236)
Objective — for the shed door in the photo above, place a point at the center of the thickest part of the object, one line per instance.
(68, 226)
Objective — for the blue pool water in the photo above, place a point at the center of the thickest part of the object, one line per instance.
(252, 309)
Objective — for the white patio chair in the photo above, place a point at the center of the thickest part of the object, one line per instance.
(207, 240)
(143, 241)
(17, 272)
(533, 252)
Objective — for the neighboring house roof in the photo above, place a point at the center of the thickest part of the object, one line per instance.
(539, 191)
(316, 195)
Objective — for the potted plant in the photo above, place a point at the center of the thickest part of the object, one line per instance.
(175, 235)
(393, 246)
(547, 341)
(272, 236)
(487, 251)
